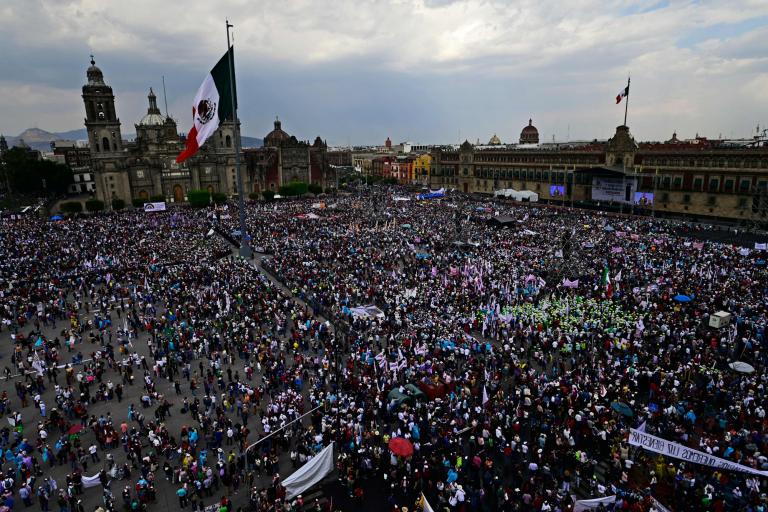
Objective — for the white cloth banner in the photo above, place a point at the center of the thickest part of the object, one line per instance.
(425, 506)
(581, 505)
(309, 474)
(658, 506)
(91, 481)
(760, 247)
(678, 451)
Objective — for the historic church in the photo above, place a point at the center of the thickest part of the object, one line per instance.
(147, 166)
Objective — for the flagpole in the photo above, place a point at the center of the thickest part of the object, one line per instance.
(626, 104)
(245, 248)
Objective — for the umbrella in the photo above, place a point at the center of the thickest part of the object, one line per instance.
(742, 367)
(57, 217)
(622, 408)
(401, 447)
(682, 298)
(75, 429)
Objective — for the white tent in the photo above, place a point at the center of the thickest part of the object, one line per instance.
(517, 195)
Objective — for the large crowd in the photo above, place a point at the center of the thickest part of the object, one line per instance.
(145, 366)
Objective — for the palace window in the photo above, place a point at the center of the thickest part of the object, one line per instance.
(742, 203)
(678, 182)
(686, 198)
(714, 184)
(728, 185)
(745, 184)
(711, 200)
(698, 183)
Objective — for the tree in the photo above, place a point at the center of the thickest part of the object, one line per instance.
(296, 188)
(315, 188)
(28, 175)
(158, 198)
(199, 198)
(117, 204)
(72, 207)
(94, 205)
(219, 197)
(138, 202)
(269, 195)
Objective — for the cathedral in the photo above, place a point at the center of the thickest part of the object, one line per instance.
(147, 167)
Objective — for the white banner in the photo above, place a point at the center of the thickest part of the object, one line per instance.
(91, 481)
(310, 473)
(619, 190)
(658, 506)
(581, 505)
(154, 207)
(678, 451)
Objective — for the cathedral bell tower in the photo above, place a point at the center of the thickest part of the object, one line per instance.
(104, 139)
(101, 122)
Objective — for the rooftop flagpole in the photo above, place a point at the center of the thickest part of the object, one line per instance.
(626, 103)
(245, 247)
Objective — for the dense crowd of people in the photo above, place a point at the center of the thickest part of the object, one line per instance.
(511, 347)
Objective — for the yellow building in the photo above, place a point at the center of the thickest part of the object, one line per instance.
(422, 168)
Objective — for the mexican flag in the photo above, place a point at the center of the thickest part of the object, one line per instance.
(606, 282)
(213, 104)
(623, 94)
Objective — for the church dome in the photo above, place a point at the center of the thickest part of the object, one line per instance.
(153, 117)
(276, 136)
(94, 74)
(529, 134)
(495, 141)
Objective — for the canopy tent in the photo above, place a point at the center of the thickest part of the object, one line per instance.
(502, 221)
(517, 195)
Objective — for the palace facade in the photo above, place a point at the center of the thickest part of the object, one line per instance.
(701, 178)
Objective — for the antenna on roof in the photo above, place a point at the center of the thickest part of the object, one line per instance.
(165, 98)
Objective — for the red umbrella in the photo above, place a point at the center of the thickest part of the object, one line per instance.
(401, 447)
(75, 429)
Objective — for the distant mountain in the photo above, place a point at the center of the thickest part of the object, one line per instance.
(40, 139)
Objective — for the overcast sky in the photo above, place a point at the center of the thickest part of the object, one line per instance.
(426, 71)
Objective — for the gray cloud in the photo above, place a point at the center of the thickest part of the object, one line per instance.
(421, 70)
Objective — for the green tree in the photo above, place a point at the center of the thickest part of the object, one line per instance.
(28, 175)
(118, 204)
(94, 205)
(269, 195)
(315, 188)
(138, 202)
(199, 198)
(72, 207)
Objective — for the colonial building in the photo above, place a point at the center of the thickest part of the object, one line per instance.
(147, 166)
(284, 159)
(706, 179)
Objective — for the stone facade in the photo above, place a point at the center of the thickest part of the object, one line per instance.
(284, 159)
(704, 179)
(147, 166)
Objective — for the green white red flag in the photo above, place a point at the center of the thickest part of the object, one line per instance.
(212, 106)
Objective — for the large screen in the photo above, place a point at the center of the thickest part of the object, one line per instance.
(613, 189)
(644, 198)
(556, 190)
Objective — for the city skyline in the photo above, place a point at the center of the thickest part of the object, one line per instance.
(424, 71)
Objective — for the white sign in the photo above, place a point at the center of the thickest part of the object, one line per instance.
(613, 189)
(154, 207)
(678, 451)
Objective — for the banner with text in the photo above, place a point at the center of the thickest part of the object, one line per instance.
(618, 190)
(678, 451)
(154, 207)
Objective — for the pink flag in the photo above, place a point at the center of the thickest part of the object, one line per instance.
(434, 271)
(570, 284)
(616, 250)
